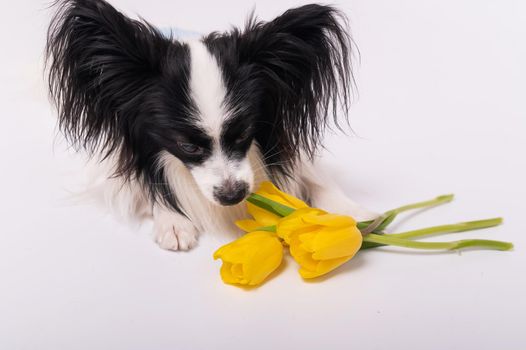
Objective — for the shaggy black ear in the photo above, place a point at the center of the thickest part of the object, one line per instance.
(100, 62)
(303, 57)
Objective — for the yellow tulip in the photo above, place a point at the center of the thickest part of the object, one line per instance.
(319, 242)
(250, 259)
(263, 217)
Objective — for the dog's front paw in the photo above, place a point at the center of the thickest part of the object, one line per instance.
(176, 239)
(174, 232)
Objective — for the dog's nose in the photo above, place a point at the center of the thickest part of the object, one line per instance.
(231, 192)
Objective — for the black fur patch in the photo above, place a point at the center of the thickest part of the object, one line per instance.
(287, 76)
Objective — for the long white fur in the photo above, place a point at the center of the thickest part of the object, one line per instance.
(207, 88)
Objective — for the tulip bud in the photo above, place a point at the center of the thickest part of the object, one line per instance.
(319, 242)
(250, 259)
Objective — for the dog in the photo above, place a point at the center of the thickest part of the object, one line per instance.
(184, 131)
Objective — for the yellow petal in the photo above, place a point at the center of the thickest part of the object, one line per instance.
(268, 189)
(237, 271)
(250, 259)
(306, 212)
(294, 223)
(301, 256)
(268, 260)
(221, 251)
(323, 267)
(226, 274)
(248, 225)
(346, 248)
(330, 220)
(285, 228)
(235, 251)
(323, 249)
(263, 217)
(265, 257)
(307, 240)
(330, 244)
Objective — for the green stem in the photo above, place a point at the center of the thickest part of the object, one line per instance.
(392, 214)
(267, 228)
(446, 198)
(283, 210)
(270, 205)
(459, 227)
(466, 243)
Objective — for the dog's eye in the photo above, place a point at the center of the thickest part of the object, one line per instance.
(190, 148)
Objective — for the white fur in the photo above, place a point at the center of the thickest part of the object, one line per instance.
(207, 89)
(208, 93)
(326, 194)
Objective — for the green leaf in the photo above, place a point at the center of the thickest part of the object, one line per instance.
(270, 205)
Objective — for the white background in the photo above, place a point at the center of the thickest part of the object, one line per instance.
(441, 108)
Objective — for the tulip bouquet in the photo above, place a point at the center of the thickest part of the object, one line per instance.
(320, 241)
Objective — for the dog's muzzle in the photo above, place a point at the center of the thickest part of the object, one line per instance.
(231, 192)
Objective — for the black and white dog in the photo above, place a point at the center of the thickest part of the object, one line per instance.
(184, 131)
